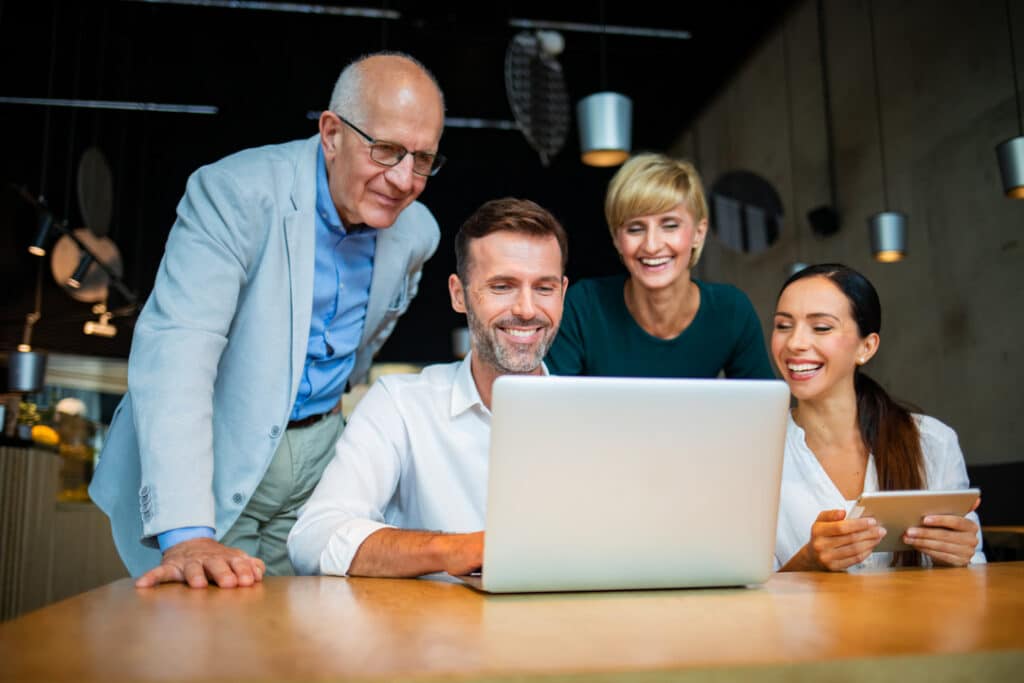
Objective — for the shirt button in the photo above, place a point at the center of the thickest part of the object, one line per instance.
(275, 431)
(237, 499)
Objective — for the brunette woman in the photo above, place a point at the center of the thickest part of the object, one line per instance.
(846, 436)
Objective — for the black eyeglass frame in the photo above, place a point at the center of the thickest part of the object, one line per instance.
(436, 160)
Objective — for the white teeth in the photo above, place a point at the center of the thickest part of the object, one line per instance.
(655, 261)
(802, 367)
(520, 333)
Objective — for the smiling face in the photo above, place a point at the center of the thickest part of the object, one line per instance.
(657, 249)
(816, 343)
(400, 104)
(512, 300)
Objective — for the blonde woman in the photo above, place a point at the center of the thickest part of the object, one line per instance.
(656, 320)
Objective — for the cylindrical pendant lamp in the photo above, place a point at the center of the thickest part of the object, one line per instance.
(25, 371)
(1011, 167)
(605, 121)
(888, 231)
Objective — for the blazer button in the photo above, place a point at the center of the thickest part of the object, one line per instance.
(237, 499)
(275, 431)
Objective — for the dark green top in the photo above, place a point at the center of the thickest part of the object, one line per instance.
(599, 336)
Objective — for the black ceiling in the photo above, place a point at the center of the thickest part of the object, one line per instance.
(264, 70)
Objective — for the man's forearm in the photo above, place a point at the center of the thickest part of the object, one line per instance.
(404, 553)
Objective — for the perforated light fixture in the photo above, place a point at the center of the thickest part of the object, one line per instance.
(1011, 153)
(605, 121)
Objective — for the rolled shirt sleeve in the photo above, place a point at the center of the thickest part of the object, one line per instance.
(349, 502)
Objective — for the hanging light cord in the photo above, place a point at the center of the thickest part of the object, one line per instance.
(44, 162)
(790, 129)
(827, 93)
(1013, 65)
(32, 318)
(878, 106)
(604, 48)
(72, 126)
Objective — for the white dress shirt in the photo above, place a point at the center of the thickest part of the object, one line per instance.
(413, 456)
(807, 488)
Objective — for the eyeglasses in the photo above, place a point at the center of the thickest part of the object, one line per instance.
(391, 153)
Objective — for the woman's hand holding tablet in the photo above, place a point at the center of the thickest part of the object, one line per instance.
(932, 522)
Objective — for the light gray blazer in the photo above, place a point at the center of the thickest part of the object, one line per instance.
(220, 346)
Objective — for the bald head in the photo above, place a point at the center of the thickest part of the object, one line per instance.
(384, 81)
(383, 101)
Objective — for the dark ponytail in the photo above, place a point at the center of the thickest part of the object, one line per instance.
(887, 428)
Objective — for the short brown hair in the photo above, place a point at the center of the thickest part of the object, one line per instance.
(513, 215)
(654, 183)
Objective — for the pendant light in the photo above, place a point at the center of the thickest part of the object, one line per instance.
(605, 120)
(888, 229)
(25, 367)
(1011, 153)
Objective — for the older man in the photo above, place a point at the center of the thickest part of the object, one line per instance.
(286, 270)
(414, 456)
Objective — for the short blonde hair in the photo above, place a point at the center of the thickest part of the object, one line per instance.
(654, 183)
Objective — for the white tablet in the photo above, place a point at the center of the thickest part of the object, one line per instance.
(899, 510)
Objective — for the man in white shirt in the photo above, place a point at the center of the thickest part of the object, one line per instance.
(405, 493)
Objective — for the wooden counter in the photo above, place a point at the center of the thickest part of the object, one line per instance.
(934, 625)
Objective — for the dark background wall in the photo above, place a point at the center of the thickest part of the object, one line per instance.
(953, 310)
(265, 70)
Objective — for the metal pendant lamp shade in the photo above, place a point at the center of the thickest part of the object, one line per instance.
(25, 371)
(605, 121)
(795, 267)
(1011, 166)
(888, 236)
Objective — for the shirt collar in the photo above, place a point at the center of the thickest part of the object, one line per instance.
(324, 204)
(464, 392)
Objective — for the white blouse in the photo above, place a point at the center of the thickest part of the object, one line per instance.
(807, 488)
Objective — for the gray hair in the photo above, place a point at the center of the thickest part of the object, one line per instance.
(347, 96)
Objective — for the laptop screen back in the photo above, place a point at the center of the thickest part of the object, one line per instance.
(613, 483)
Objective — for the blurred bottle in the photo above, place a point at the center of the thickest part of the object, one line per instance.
(76, 450)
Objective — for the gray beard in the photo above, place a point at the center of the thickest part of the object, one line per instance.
(505, 358)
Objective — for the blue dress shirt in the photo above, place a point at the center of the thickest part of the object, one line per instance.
(341, 291)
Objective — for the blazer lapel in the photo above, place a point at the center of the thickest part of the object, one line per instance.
(388, 272)
(299, 228)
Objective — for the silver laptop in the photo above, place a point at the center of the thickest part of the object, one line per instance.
(613, 483)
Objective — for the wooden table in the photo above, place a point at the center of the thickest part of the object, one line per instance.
(934, 625)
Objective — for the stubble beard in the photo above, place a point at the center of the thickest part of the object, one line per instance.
(506, 358)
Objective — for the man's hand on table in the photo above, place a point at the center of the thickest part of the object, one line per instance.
(201, 561)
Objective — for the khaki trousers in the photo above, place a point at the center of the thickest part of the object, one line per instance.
(300, 460)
